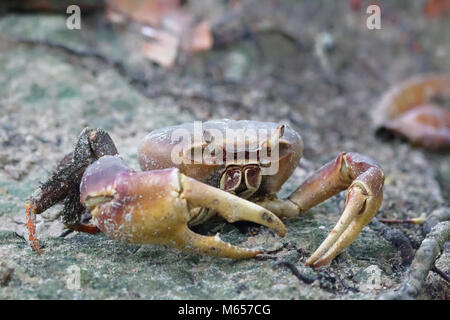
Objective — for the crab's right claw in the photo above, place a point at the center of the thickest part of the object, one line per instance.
(232, 208)
(156, 207)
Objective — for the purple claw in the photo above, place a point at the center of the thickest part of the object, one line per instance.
(99, 177)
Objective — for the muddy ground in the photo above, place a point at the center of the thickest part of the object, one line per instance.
(55, 81)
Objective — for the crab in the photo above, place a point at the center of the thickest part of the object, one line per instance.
(189, 178)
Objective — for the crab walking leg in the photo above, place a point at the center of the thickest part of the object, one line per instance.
(91, 145)
(65, 181)
(31, 226)
(364, 180)
(86, 228)
(155, 207)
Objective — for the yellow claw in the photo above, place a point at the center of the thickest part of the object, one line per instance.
(359, 210)
(155, 207)
(364, 180)
(229, 206)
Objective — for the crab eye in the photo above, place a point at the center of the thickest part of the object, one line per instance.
(266, 153)
(252, 176)
(231, 179)
(274, 140)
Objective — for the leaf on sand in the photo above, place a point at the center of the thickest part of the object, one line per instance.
(171, 29)
(199, 38)
(436, 8)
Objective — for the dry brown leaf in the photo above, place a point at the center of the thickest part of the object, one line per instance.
(144, 11)
(436, 8)
(199, 38)
(115, 16)
(167, 25)
(407, 110)
(163, 50)
(177, 21)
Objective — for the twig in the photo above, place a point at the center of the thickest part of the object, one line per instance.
(438, 215)
(295, 272)
(198, 97)
(20, 237)
(224, 39)
(371, 70)
(323, 46)
(423, 262)
(441, 274)
(413, 221)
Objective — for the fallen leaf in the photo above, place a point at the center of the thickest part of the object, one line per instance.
(436, 8)
(407, 110)
(169, 28)
(163, 50)
(144, 11)
(199, 38)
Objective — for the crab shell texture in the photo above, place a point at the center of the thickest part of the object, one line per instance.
(157, 148)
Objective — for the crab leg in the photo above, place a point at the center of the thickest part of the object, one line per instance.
(364, 180)
(65, 181)
(31, 226)
(155, 207)
(91, 144)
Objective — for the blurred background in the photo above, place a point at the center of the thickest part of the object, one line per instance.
(134, 66)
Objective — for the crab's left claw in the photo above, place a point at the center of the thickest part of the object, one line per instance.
(155, 207)
(364, 179)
